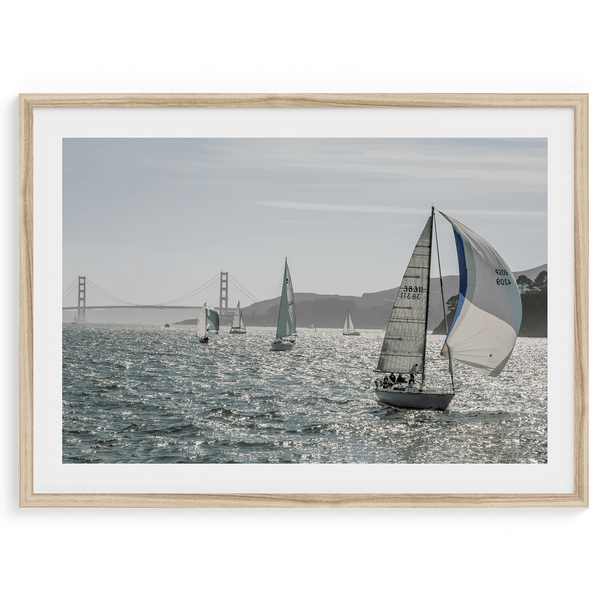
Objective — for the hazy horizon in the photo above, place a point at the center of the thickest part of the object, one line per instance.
(150, 220)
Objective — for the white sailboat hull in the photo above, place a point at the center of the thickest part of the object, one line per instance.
(282, 345)
(353, 333)
(237, 330)
(427, 399)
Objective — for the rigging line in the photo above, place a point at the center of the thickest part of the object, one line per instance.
(443, 302)
(437, 244)
(251, 296)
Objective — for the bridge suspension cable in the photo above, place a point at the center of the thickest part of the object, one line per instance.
(242, 289)
(70, 288)
(99, 289)
(194, 292)
(203, 288)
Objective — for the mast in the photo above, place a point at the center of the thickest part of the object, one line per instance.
(437, 245)
(427, 301)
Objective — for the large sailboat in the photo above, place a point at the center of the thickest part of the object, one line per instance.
(482, 334)
(237, 325)
(349, 326)
(208, 320)
(286, 321)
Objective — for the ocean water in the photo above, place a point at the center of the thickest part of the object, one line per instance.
(147, 394)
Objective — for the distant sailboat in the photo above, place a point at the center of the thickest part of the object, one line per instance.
(483, 332)
(208, 320)
(286, 321)
(237, 325)
(201, 328)
(349, 326)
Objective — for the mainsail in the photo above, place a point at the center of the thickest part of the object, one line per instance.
(403, 349)
(238, 321)
(488, 316)
(348, 325)
(286, 322)
(201, 327)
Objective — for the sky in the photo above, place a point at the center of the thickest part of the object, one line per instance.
(150, 220)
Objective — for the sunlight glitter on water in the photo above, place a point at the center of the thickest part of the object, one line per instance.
(143, 394)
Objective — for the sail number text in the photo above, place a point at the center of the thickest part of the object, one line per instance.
(411, 292)
(501, 280)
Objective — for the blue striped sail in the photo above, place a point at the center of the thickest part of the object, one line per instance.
(488, 316)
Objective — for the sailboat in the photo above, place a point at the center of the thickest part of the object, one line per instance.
(286, 321)
(349, 326)
(482, 334)
(208, 320)
(202, 328)
(237, 325)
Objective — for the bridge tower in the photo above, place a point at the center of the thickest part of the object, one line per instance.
(224, 293)
(81, 301)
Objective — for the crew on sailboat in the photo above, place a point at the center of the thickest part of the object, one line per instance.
(483, 331)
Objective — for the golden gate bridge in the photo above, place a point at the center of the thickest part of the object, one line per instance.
(90, 296)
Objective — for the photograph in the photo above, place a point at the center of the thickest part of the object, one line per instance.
(304, 300)
(296, 292)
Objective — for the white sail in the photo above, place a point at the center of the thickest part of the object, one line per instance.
(212, 319)
(348, 325)
(488, 316)
(237, 325)
(286, 321)
(201, 327)
(403, 349)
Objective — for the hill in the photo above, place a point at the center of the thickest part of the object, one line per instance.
(369, 311)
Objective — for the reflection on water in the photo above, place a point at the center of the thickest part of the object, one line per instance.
(146, 394)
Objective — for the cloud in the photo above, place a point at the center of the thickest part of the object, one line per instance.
(375, 209)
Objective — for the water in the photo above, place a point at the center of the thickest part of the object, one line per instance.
(147, 394)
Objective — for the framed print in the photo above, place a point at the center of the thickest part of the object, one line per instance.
(311, 300)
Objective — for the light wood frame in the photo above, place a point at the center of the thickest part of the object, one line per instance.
(578, 499)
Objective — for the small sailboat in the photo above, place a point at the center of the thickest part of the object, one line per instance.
(286, 321)
(237, 325)
(208, 320)
(482, 334)
(349, 326)
(201, 328)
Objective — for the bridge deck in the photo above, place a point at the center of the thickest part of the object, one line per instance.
(227, 310)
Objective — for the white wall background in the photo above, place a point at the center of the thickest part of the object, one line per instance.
(260, 46)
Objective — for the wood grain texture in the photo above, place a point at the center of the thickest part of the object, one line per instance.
(304, 501)
(578, 499)
(582, 301)
(25, 301)
(301, 100)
